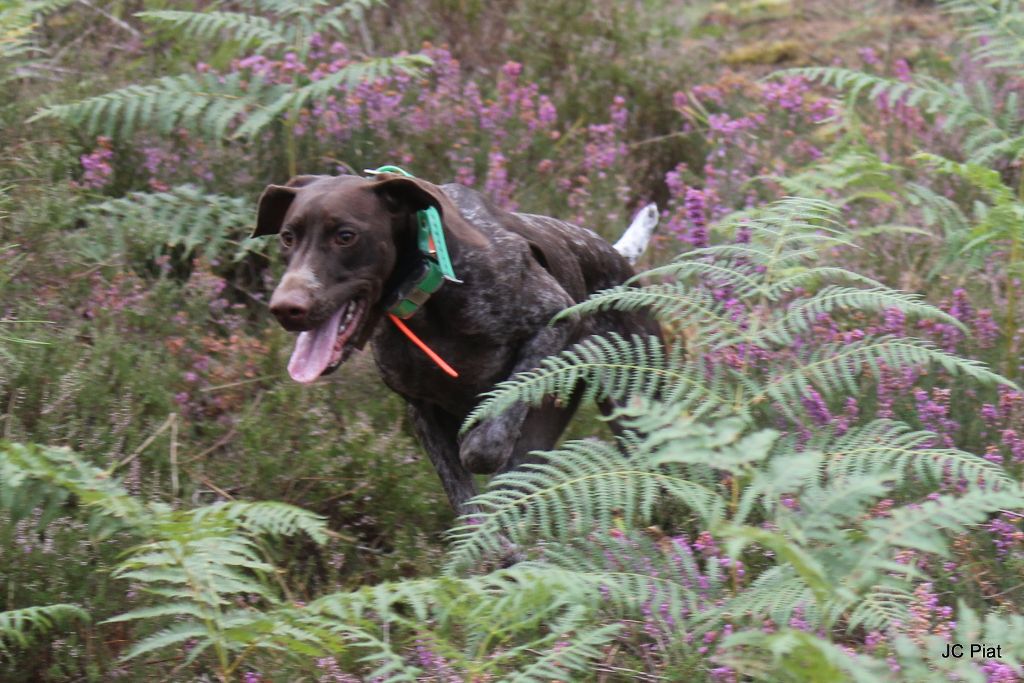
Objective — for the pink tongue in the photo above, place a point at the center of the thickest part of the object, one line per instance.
(313, 350)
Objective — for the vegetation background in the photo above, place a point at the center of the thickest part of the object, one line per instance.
(825, 462)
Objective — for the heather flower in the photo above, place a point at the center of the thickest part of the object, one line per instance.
(851, 411)
(723, 674)
(619, 114)
(889, 388)
(869, 56)
(498, 185)
(894, 322)
(999, 672)
(547, 115)
(97, 165)
(695, 213)
(927, 616)
(1006, 533)
(986, 331)
(797, 620)
(332, 672)
(816, 407)
(1014, 443)
(960, 308)
(743, 234)
(993, 455)
(902, 70)
(787, 93)
(873, 639)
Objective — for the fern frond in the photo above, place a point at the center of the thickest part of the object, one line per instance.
(582, 650)
(836, 367)
(20, 626)
(19, 22)
(723, 269)
(923, 527)
(41, 477)
(295, 99)
(981, 177)
(881, 608)
(264, 518)
(667, 302)
(788, 654)
(777, 593)
(928, 93)
(887, 446)
(246, 29)
(936, 209)
(997, 28)
(634, 571)
(206, 103)
(173, 636)
(963, 110)
(517, 602)
(853, 175)
(1001, 628)
(581, 481)
(609, 368)
(793, 220)
(334, 19)
(211, 226)
(802, 314)
(803, 563)
(815, 277)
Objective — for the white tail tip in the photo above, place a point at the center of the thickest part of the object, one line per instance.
(634, 241)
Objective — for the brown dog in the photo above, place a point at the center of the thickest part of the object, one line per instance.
(351, 243)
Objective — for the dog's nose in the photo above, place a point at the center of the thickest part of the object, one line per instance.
(291, 308)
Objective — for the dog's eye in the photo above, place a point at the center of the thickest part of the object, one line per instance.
(344, 238)
(287, 238)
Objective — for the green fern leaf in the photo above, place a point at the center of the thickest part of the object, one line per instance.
(20, 626)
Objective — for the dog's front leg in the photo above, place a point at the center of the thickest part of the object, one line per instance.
(487, 447)
(437, 432)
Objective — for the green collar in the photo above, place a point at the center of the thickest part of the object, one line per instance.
(435, 264)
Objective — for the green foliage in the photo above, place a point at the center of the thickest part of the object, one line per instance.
(213, 584)
(833, 557)
(804, 501)
(725, 502)
(990, 118)
(18, 22)
(204, 103)
(836, 564)
(798, 509)
(18, 626)
(317, 91)
(145, 225)
(790, 655)
(199, 562)
(288, 28)
(210, 105)
(7, 337)
(764, 276)
(213, 106)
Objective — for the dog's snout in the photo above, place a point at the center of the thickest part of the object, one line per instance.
(291, 308)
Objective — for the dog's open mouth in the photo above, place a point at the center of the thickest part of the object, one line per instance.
(323, 348)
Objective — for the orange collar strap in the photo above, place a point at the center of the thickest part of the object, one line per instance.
(423, 347)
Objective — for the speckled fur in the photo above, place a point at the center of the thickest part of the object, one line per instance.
(518, 271)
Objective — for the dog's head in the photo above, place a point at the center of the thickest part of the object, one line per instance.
(347, 242)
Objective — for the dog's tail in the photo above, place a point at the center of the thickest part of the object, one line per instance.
(634, 241)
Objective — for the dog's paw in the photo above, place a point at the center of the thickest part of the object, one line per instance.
(487, 447)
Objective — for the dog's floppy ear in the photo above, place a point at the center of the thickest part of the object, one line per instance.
(402, 193)
(274, 203)
(412, 194)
